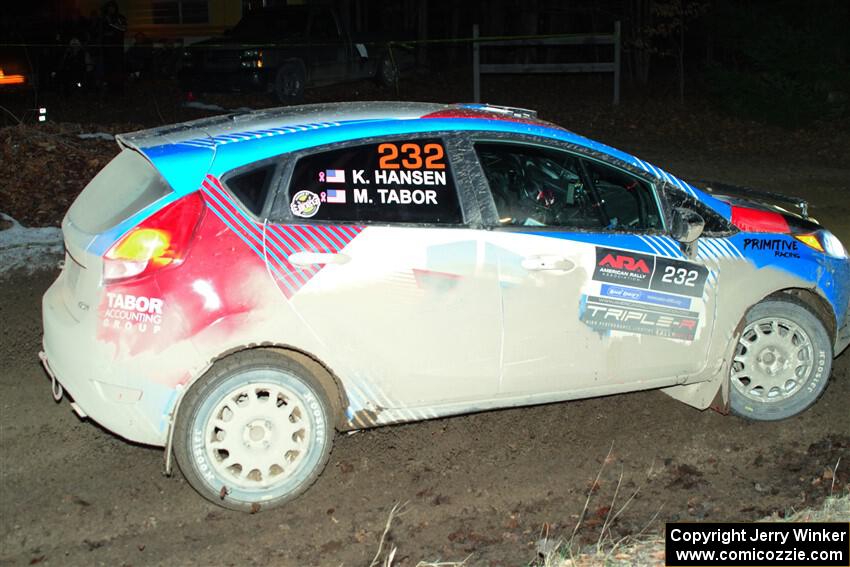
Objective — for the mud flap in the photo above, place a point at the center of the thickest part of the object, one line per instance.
(701, 395)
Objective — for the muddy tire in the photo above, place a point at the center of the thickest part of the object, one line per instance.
(387, 74)
(782, 362)
(255, 432)
(289, 83)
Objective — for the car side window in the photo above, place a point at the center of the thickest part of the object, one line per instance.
(252, 187)
(534, 186)
(399, 181)
(537, 186)
(627, 202)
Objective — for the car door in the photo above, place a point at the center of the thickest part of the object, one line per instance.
(329, 53)
(595, 297)
(372, 248)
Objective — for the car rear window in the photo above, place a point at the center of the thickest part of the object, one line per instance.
(126, 185)
(404, 181)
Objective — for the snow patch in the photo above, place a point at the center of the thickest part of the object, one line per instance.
(202, 105)
(206, 106)
(96, 136)
(29, 249)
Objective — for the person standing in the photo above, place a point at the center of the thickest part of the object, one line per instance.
(113, 28)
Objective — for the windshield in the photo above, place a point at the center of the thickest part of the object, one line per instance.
(126, 185)
(271, 24)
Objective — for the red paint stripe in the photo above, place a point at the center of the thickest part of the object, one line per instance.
(485, 115)
(754, 220)
(335, 238)
(312, 243)
(339, 236)
(322, 235)
(287, 271)
(302, 244)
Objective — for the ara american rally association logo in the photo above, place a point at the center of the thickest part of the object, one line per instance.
(619, 266)
(649, 272)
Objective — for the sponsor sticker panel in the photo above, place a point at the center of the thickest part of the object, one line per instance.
(607, 314)
(649, 272)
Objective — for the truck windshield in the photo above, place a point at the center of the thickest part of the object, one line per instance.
(269, 24)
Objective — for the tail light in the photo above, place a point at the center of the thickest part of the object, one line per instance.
(160, 241)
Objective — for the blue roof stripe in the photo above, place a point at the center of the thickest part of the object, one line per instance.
(257, 145)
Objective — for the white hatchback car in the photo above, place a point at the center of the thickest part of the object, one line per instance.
(238, 288)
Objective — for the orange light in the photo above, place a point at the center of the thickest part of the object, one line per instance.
(143, 245)
(810, 240)
(11, 79)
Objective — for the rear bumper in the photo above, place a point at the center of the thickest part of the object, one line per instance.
(109, 392)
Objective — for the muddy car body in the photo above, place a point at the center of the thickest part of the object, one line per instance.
(239, 287)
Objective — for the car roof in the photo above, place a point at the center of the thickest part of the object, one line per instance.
(185, 153)
(238, 122)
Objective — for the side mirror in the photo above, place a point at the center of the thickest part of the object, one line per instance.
(687, 225)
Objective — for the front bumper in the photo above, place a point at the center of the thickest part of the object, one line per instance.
(842, 338)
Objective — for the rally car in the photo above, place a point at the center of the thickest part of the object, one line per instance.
(238, 288)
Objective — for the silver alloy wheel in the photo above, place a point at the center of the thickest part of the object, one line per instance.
(773, 360)
(257, 435)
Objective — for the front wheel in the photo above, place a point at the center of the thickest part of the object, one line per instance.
(782, 361)
(289, 83)
(255, 432)
(388, 74)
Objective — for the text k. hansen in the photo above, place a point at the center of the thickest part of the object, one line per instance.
(757, 533)
(400, 196)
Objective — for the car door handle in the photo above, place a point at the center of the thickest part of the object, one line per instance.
(539, 263)
(313, 258)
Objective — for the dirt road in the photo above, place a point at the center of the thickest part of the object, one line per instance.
(484, 485)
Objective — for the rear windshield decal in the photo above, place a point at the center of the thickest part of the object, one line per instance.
(404, 181)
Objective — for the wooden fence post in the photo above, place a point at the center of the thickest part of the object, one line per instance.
(476, 66)
(616, 62)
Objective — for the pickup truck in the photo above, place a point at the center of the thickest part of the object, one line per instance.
(282, 50)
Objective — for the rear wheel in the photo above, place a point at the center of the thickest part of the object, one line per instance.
(255, 432)
(782, 361)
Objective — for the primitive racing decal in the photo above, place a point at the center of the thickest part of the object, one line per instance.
(648, 272)
(606, 314)
(781, 248)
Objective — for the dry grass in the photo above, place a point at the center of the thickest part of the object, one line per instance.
(642, 548)
(649, 550)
